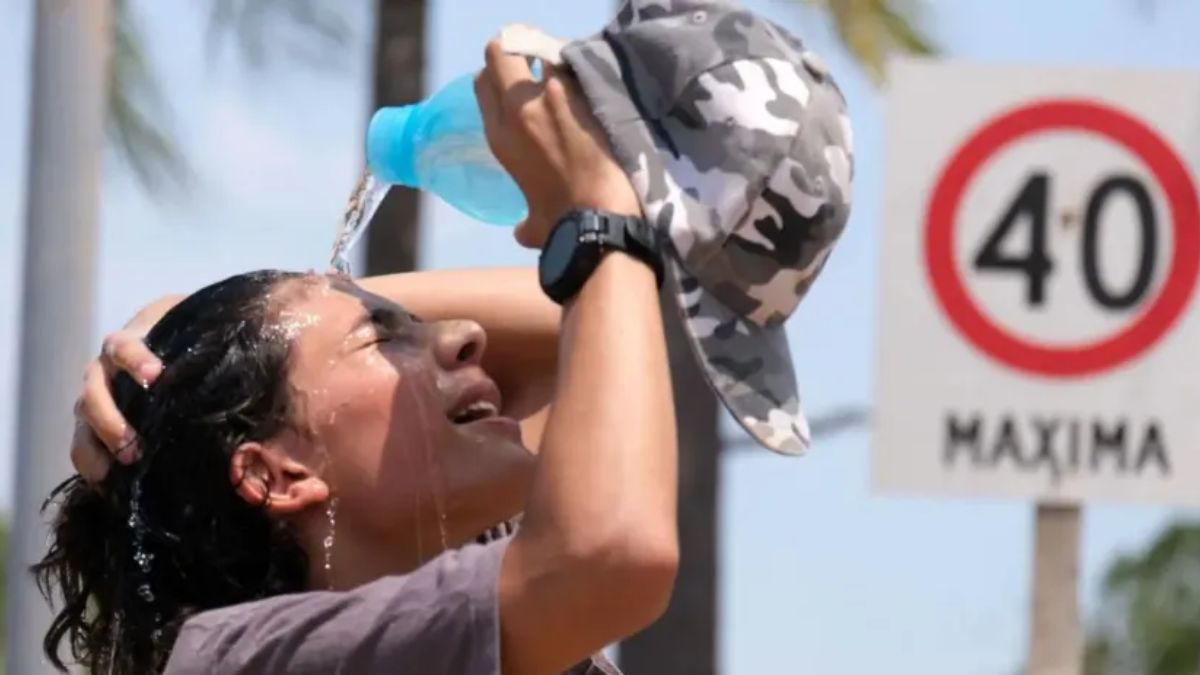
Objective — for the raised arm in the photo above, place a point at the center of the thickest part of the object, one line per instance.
(522, 354)
(595, 558)
(521, 324)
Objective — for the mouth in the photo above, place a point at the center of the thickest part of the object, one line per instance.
(478, 401)
(478, 407)
(499, 531)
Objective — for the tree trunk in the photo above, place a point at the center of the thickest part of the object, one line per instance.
(684, 640)
(71, 48)
(393, 243)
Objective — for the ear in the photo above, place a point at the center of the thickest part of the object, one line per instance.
(265, 475)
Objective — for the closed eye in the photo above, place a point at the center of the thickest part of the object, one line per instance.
(388, 324)
(384, 324)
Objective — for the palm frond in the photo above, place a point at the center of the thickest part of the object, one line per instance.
(136, 112)
(874, 29)
(310, 31)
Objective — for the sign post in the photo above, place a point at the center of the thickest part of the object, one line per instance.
(1055, 636)
(1037, 314)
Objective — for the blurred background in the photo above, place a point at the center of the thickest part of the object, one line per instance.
(234, 135)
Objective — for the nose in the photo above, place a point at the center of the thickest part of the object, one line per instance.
(459, 343)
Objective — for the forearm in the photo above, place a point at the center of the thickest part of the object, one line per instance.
(522, 325)
(613, 424)
(599, 534)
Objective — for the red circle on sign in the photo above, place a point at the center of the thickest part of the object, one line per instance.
(1073, 360)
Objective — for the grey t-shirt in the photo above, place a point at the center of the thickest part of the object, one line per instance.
(439, 620)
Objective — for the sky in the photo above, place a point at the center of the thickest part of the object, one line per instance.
(817, 573)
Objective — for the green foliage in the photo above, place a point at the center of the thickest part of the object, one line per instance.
(1149, 623)
(874, 29)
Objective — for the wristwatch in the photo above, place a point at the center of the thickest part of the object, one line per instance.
(578, 242)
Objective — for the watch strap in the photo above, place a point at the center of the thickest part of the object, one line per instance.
(597, 232)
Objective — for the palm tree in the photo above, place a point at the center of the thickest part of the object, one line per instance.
(399, 78)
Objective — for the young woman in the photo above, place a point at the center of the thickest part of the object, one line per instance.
(299, 483)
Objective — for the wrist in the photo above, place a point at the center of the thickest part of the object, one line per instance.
(611, 196)
(583, 238)
(619, 272)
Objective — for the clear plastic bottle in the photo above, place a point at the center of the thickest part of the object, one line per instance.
(439, 146)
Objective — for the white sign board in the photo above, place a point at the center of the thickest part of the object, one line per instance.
(1039, 334)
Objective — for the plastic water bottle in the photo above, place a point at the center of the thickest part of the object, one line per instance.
(439, 146)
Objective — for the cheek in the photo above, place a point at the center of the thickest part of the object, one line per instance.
(352, 408)
(380, 424)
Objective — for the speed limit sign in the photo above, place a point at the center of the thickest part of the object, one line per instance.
(1039, 334)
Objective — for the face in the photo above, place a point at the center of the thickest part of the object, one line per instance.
(399, 419)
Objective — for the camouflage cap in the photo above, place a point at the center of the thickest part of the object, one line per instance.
(739, 145)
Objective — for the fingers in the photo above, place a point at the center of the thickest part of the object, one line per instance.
(90, 459)
(98, 412)
(101, 432)
(506, 71)
(526, 234)
(126, 351)
(567, 102)
(490, 108)
(517, 92)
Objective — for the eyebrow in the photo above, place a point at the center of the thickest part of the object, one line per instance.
(376, 316)
(385, 317)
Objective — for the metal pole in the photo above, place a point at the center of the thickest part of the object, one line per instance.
(1055, 638)
(71, 44)
(821, 427)
(684, 640)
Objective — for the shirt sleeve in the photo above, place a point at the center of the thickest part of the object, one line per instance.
(439, 620)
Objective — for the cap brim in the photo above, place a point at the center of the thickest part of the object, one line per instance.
(749, 366)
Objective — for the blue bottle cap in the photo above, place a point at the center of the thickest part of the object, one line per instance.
(389, 149)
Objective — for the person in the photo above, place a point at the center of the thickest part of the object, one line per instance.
(306, 435)
(303, 464)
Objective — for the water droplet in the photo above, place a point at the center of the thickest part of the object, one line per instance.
(328, 542)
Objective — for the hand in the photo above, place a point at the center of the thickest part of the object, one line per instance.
(545, 136)
(101, 431)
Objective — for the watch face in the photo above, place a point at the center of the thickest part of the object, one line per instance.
(556, 255)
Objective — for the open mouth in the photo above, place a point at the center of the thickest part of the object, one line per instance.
(474, 412)
(477, 402)
(499, 531)
(478, 407)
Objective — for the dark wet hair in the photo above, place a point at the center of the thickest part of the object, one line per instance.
(169, 536)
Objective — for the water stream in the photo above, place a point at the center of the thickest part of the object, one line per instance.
(364, 201)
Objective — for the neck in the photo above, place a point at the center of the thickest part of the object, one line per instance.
(357, 558)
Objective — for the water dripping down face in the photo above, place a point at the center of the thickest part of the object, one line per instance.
(419, 453)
